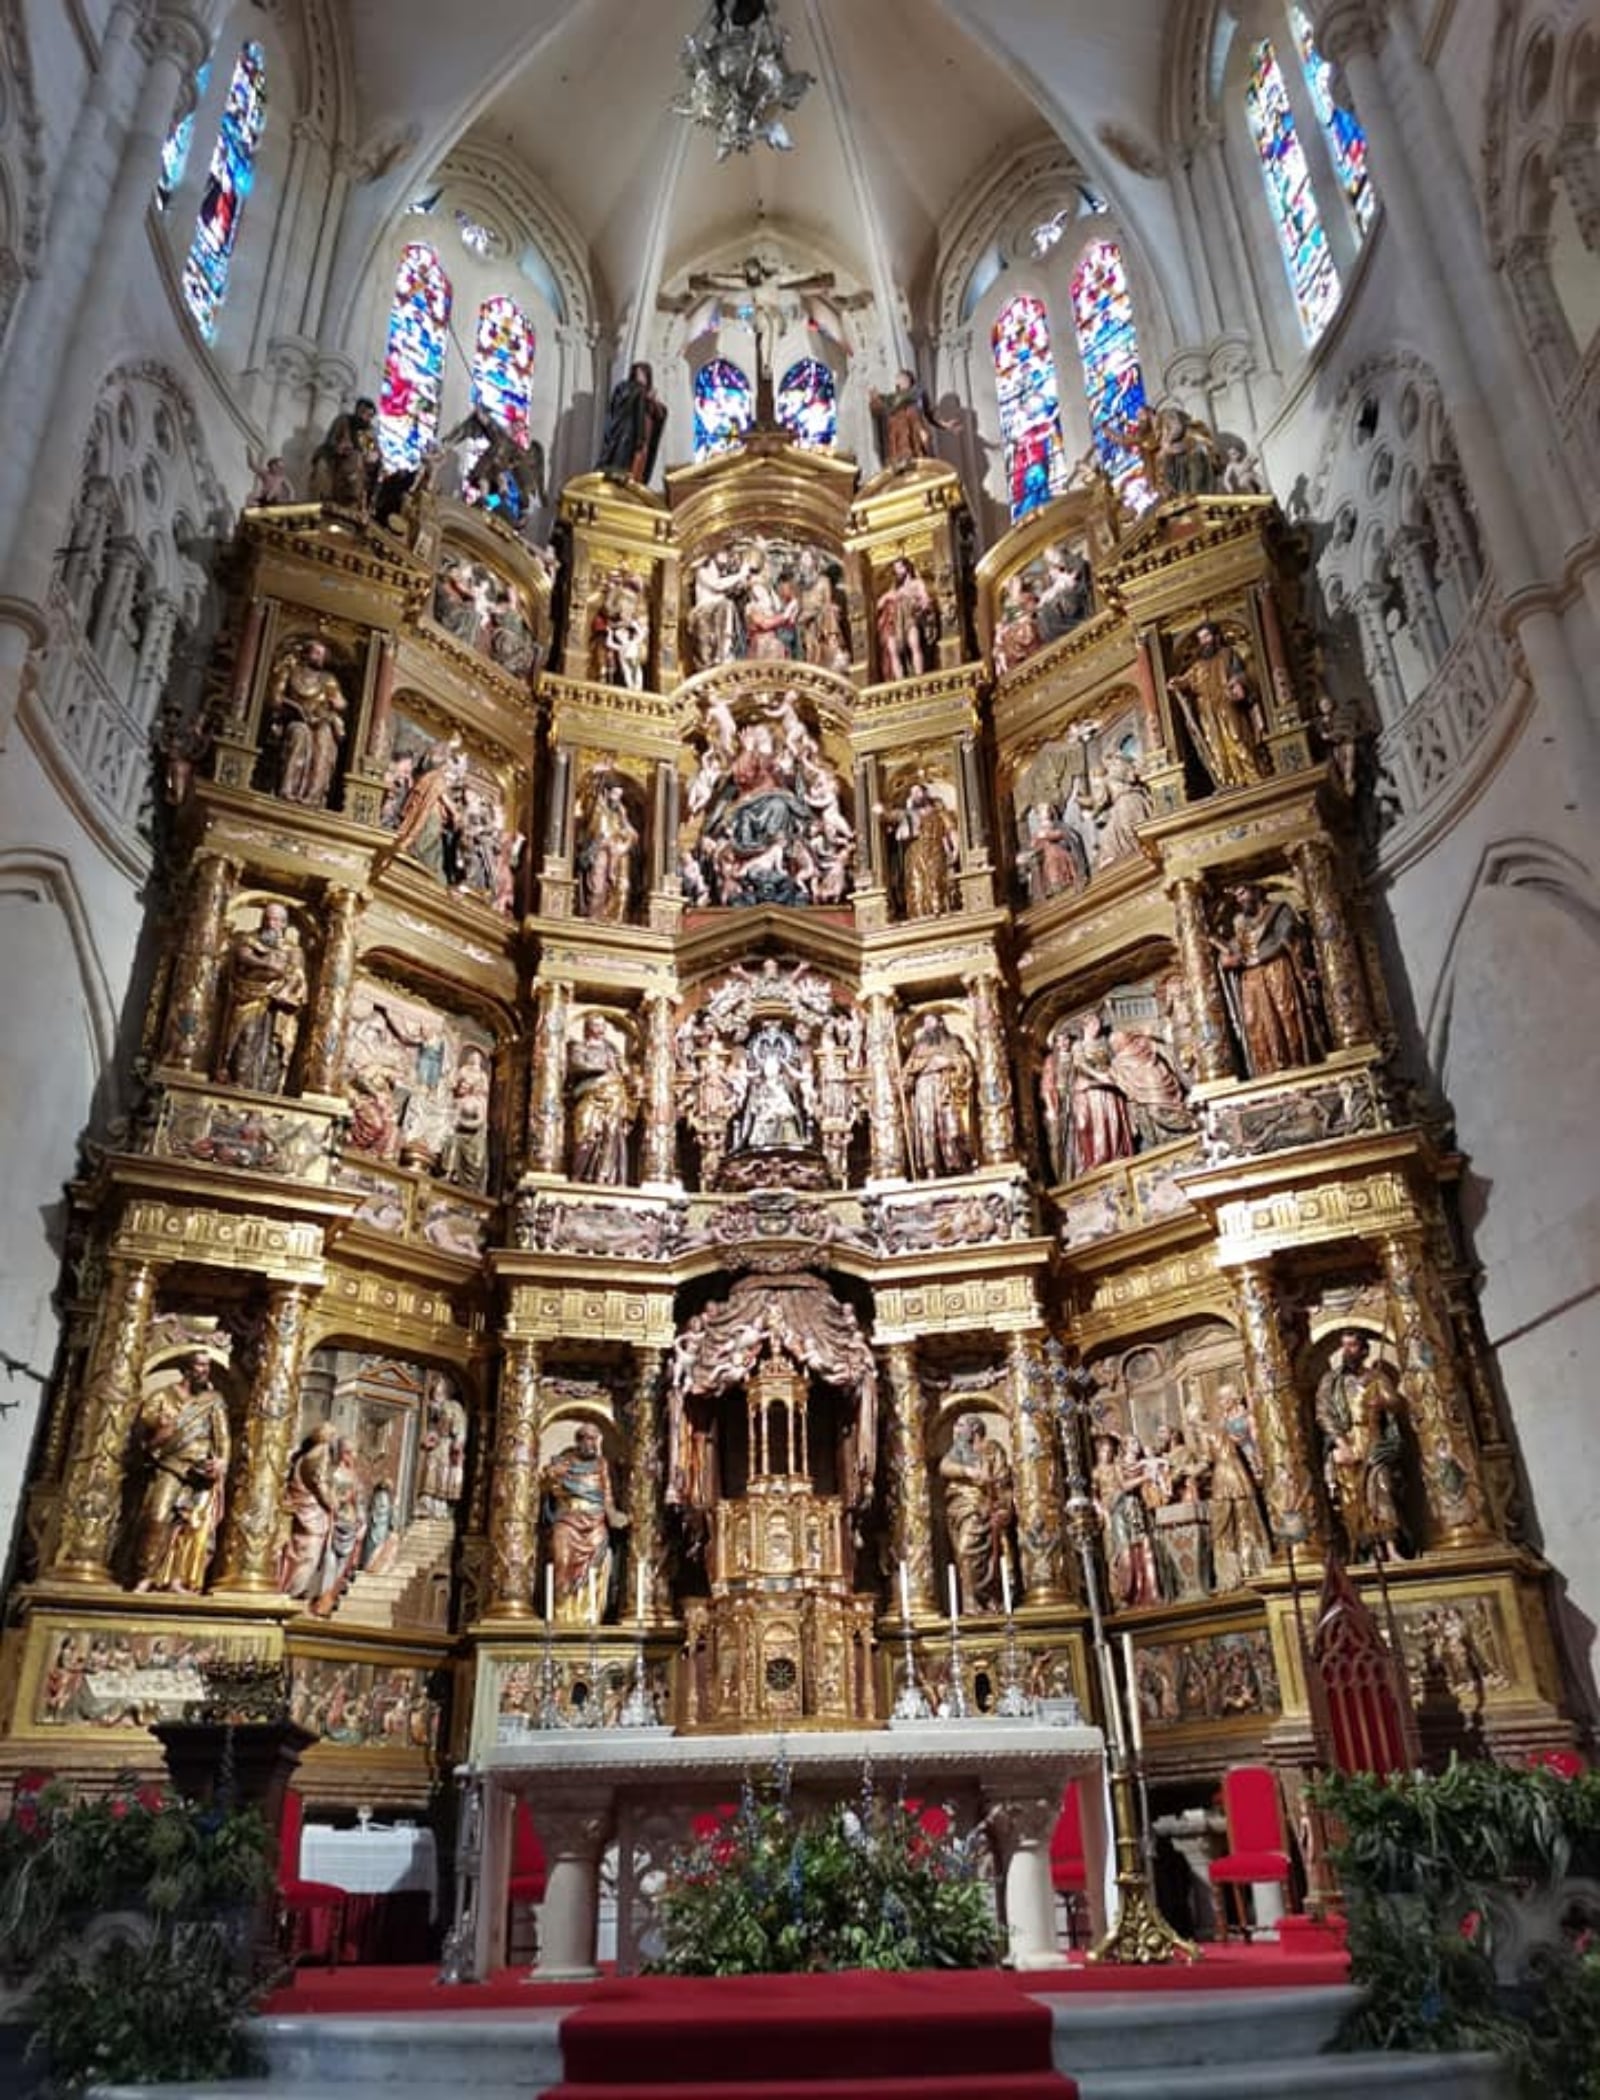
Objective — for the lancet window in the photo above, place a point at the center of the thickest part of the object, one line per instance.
(175, 153)
(1113, 381)
(1306, 256)
(502, 365)
(808, 402)
(724, 406)
(1030, 404)
(1347, 142)
(413, 365)
(232, 171)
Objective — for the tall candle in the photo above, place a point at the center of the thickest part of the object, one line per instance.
(905, 1593)
(594, 1596)
(955, 1596)
(1005, 1582)
(1109, 1698)
(549, 1593)
(1134, 1719)
(641, 1589)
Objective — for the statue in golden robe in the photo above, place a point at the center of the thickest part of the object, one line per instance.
(1359, 1408)
(183, 1430)
(581, 1515)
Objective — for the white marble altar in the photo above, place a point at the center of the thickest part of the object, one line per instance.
(588, 1788)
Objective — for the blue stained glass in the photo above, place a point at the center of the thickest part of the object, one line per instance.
(1030, 405)
(228, 181)
(724, 406)
(413, 365)
(502, 365)
(1312, 276)
(175, 153)
(1113, 380)
(1346, 140)
(808, 403)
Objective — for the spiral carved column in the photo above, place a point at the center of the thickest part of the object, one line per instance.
(659, 1153)
(192, 993)
(1344, 983)
(91, 1494)
(1208, 1015)
(910, 1499)
(514, 1486)
(646, 1536)
(1280, 1417)
(247, 1559)
(996, 1139)
(883, 1106)
(1036, 1467)
(330, 1010)
(547, 1117)
(1430, 1379)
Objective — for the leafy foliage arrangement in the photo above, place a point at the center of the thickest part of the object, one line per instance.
(164, 1998)
(1433, 1869)
(874, 1885)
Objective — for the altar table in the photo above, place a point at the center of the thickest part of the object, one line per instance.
(371, 1862)
(640, 1789)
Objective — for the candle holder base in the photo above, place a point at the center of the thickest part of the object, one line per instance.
(1016, 1702)
(1141, 1935)
(954, 1706)
(639, 1709)
(911, 1703)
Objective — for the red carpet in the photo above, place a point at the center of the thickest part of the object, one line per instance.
(963, 2035)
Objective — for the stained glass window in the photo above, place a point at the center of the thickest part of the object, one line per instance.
(502, 365)
(1030, 404)
(1347, 142)
(808, 402)
(723, 406)
(413, 365)
(1108, 343)
(233, 167)
(1312, 276)
(175, 153)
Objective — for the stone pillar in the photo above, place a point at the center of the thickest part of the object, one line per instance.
(573, 1834)
(1344, 982)
(514, 1485)
(1208, 1015)
(885, 1122)
(1452, 529)
(1544, 318)
(1286, 1460)
(1022, 1825)
(247, 1559)
(1409, 555)
(330, 1006)
(547, 1114)
(192, 994)
(1578, 165)
(91, 1493)
(1378, 651)
(646, 1534)
(1431, 1382)
(658, 1157)
(83, 564)
(996, 1127)
(124, 564)
(910, 1493)
(155, 657)
(1036, 1467)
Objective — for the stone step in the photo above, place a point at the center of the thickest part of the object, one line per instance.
(1124, 2030)
(1356, 2077)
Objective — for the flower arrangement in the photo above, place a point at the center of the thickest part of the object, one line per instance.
(874, 1884)
(161, 1995)
(1464, 1930)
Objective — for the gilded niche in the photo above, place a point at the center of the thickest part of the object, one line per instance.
(448, 808)
(418, 1083)
(766, 808)
(1079, 800)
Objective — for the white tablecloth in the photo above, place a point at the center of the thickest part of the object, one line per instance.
(371, 1862)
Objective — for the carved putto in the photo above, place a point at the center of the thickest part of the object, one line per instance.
(765, 816)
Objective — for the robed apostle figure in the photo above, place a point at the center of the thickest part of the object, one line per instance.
(635, 415)
(581, 1515)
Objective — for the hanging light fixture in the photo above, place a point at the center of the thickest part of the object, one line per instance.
(739, 81)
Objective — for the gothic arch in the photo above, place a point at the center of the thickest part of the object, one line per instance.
(36, 874)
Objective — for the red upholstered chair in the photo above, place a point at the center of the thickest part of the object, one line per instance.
(1069, 1871)
(526, 1889)
(311, 1912)
(1258, 1847)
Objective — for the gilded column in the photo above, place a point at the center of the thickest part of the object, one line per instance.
(1266, 600)
(646, 1534)
(547, 1118)
(886, 1124)
(1036, 1466)
(192, 993)
(91, 1496)
(996, 1132)
(1207, 1014)
(244, 662)
(910, 1497)
(658, 1162)
(514, 1486)
(1344, 982)
(247, 1559)
(1286, 1462)
(1430, 1379)
(1147, 671)
(380, 726)
(330, 1011)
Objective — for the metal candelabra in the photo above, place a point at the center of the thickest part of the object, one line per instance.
(1016, 1702)
(911, 1704)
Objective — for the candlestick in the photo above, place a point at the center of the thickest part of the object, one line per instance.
(955, 1595)
(549, 1593)
(905, 1593)
(1005, 1582)
(1135, 1720)
(640, 1586)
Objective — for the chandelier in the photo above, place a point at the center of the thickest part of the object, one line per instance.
(739, 79)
